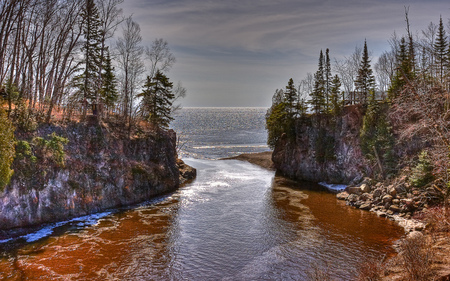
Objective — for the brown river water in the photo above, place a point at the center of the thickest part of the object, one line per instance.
(236, 221)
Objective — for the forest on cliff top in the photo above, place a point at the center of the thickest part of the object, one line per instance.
(405, 101)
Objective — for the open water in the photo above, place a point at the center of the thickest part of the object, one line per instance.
(236, 221)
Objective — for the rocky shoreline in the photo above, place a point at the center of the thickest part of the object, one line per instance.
(397, 202)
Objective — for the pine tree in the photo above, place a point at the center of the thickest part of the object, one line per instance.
(335, 95)
(317, 100)
(276, 118)
(157, 99)
(441, 50)
(365, 81)
(290, 96)
(404, 70)
(328, 79)
(109, 93)
(88, 82)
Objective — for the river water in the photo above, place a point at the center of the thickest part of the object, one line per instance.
(236, 221)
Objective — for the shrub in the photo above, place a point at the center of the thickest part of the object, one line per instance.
(422, 173)
(416, 258)
(7, 149)
(370, 270)
(52, 149)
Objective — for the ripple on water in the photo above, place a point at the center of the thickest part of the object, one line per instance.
(234, 222)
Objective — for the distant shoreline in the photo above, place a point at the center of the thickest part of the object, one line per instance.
(262, 159)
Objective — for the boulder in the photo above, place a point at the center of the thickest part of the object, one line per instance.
(377, 193)
(352, 198)
(395, 208)
(366, 206)
(366, 196)
(342, 196)
(365, 188)
(354, 190)
(391, 190)
(387, 198)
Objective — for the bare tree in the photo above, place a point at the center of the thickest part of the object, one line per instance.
(347, 70)
(385, 69)
(160, 56)
(129, 59)
(110, 17)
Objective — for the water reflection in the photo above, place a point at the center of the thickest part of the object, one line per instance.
(235, 222)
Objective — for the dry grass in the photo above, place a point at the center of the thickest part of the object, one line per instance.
(438, 219)
(416, 258)
(370, 270)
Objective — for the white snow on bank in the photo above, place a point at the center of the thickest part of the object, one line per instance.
(47, 230)
(333, 187)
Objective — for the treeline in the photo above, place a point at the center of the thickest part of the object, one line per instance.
(63, 56)
(405, 98)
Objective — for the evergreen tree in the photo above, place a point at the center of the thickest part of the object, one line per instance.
(317, 100)
(7, 148)
(88, 82)
(328, 80)
(441, 50)
(109, 93)
(335, 95)
(276, 118)
(365, 81)
(377, 139)
(157, 99)
(404, 70)
(290, 96)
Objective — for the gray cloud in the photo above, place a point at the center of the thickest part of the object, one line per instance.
(245, 49)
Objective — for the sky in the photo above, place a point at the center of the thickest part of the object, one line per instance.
(238, 52)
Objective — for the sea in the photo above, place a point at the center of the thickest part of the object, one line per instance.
(220, 132)
(235, 221)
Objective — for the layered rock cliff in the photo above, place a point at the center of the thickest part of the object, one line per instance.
(102, 170)
(324, 149)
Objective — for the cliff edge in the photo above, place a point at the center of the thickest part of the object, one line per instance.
(103, 169)
(323, 149)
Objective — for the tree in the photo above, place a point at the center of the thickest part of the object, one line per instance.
(328, 78)
(365, 81)
(109, 93)
(89, 81)
(317, 101)
(441, 51)
(276, 118)
(376, 137)
(110, 18)
(290, 96)
(385, 69)
(348, 71)
(335, 96)
(160, 56)
(129, 59)
(7, 149)
(157, 99)
(404, 71)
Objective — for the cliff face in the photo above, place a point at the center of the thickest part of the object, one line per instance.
(324, 150)
(102, 170)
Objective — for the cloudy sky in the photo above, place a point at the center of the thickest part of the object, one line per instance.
(237, 52)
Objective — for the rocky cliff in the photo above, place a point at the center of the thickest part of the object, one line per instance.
(324, 149)
(102, 170)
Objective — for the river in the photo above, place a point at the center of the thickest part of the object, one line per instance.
(236, 221)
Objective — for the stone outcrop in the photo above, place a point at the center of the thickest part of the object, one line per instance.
(397, 201)
(324, 150)
(103, 169)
